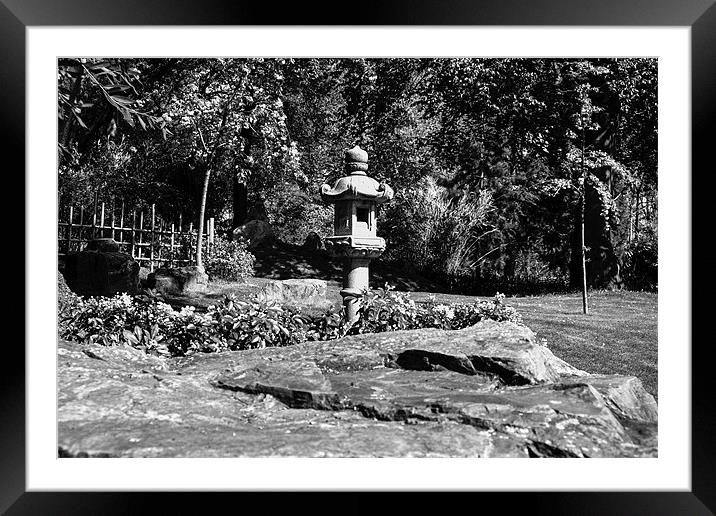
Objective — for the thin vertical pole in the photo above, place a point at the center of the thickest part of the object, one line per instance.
(101, 223)
(94, 218)
(192, 255)
(152, 241)
(141, 235)
(82, 220)
(112, 218)
(206, 244)
(211, 234)
(133, 237)
(160, 241)
(69, 232)
(171, 247)
(121, 224)
(585, 302)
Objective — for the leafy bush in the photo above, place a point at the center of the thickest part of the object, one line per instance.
(243, 325)
(154, 326)
(640, 264)
(387, 310)
(229, 260)
(294, 214)
(226, 259)
(147, 323)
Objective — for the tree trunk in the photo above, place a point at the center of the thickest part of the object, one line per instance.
(202, 213)
(585, 302)
(240, 202)
(240, 183)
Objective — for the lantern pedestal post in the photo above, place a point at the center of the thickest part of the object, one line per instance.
(355, 282)
(356, 197)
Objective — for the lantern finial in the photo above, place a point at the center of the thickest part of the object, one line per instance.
(356, 161)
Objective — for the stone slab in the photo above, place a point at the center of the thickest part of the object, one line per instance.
(354, 397)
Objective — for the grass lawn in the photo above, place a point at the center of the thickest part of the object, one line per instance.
(618, 336)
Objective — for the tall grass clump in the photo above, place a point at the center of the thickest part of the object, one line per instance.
(437, 230)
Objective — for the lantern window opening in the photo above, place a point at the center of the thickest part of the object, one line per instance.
(363, 215)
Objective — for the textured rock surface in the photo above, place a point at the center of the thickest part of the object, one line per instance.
(144, 277)
(313, 242)
(486, 391)
(295, 291)
(65, 296)
(256, 233)
(99, 273)
(105, 245)
(178, 280)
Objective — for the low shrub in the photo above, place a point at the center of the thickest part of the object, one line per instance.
(147, 323)
(229, 260)
(387, 310)
(242, 325)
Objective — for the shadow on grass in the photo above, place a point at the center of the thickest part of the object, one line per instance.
(285, 261)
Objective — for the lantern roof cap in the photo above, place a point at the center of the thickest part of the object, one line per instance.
(357, 185)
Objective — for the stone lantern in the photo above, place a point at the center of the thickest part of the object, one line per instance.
(356, 197)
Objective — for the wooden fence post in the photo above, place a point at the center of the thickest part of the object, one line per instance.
(160, 245)
(133, 238)
(152, 238)
(79, 235)
(121, 224)
(101, 223)
(141, 237)
(171, 247)
(112, 219)
(69, 232)
(93, 234)
(211, 234)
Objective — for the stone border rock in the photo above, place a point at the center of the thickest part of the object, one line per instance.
(486, 391)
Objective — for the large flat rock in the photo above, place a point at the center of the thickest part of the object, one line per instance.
(295, 291)
(485, 391)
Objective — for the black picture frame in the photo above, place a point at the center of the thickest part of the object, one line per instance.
(699, 15)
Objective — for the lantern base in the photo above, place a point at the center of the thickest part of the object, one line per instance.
(353, 246)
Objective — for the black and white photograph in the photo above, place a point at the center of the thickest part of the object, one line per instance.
(367, 257)
(418, 248)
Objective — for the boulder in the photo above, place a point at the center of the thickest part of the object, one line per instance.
(101, 273)
(354, 397)
(179, 280)
(294, 292)
(105, 245)
(65, 296)
(144, 277)
(255, 232)
(313, 242)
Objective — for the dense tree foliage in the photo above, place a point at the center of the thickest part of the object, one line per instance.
(490, 158)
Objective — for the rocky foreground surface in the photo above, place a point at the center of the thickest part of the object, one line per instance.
(486, 391)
